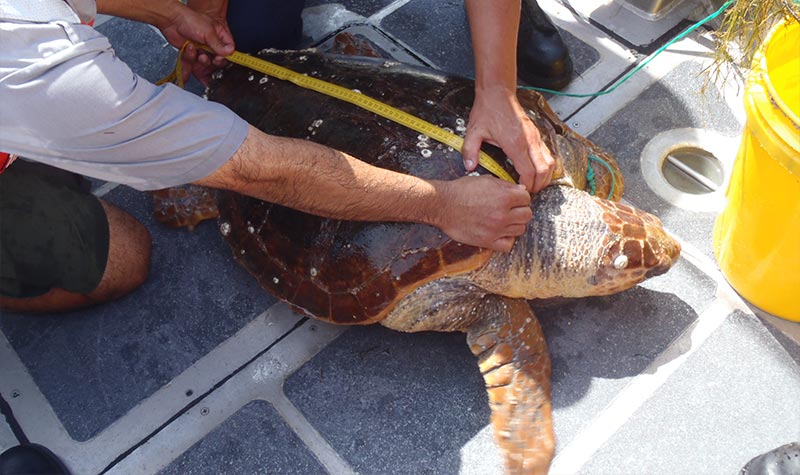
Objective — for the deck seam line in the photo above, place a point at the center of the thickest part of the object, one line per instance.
(378, 16)
(311, 437)
(260, 379)
(104, 189)
(198, 399)
(639, 390)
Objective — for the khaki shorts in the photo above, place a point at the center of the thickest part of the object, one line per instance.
(68, 101)
(53, 232)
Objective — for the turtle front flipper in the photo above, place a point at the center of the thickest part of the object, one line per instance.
(512, 355)
(185, 205)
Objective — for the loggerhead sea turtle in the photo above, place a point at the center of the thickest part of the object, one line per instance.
(412, 277)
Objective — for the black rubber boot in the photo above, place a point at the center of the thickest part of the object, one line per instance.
(542, 56)
(30, 459)
(785, 460)
(259, 24)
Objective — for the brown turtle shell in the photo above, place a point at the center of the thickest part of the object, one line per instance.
(354, 272)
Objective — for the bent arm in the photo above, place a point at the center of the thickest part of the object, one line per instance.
(496, 116)
(177, 22)
(481, 211)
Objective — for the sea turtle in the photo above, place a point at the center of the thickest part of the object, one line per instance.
(412, 277)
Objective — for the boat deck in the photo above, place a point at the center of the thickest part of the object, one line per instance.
(202, 372)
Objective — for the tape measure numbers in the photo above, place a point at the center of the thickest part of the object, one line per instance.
(365, 102)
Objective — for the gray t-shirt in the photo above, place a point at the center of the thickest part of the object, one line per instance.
(68, 101)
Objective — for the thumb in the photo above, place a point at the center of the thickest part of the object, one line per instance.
(470, 149)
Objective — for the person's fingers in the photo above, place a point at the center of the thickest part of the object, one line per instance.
(503, 244)
(519, 196)
(190, 52)
(187, 61)
(219, 61)
(520, 215)
(516, 229)
(221, 41)
(525, 169)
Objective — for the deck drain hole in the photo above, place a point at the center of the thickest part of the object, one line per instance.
(693, 170)
(689, 168)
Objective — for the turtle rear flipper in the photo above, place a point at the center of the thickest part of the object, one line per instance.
(512, 355)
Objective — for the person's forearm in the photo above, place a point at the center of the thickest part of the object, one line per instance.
(493, 26)
(322, 181)
(153, 12)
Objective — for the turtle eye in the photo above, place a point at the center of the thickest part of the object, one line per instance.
(620, 262)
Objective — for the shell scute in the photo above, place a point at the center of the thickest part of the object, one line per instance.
(377, 293)
(348, 308)
(312, 299)
(414, 267)
(453, 252)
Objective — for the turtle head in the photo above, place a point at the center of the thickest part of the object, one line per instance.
(635, 247)
(578, 245)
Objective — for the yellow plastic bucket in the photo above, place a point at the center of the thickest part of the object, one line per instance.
(757, 235)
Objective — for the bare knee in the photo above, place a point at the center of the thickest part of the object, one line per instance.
(129, 249)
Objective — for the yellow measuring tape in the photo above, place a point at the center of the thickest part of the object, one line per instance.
(356, 98)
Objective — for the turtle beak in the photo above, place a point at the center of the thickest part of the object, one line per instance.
(669, 251)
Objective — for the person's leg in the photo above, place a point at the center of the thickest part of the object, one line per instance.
(62, 248)
(260, 24)
(542, 56)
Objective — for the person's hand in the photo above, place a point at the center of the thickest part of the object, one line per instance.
(206, 27)
(485, 211)
(498, 118)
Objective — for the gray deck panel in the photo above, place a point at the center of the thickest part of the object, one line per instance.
(365, 8)
(439, 31)
(740, 389)
(390, 402)
(7, 437)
